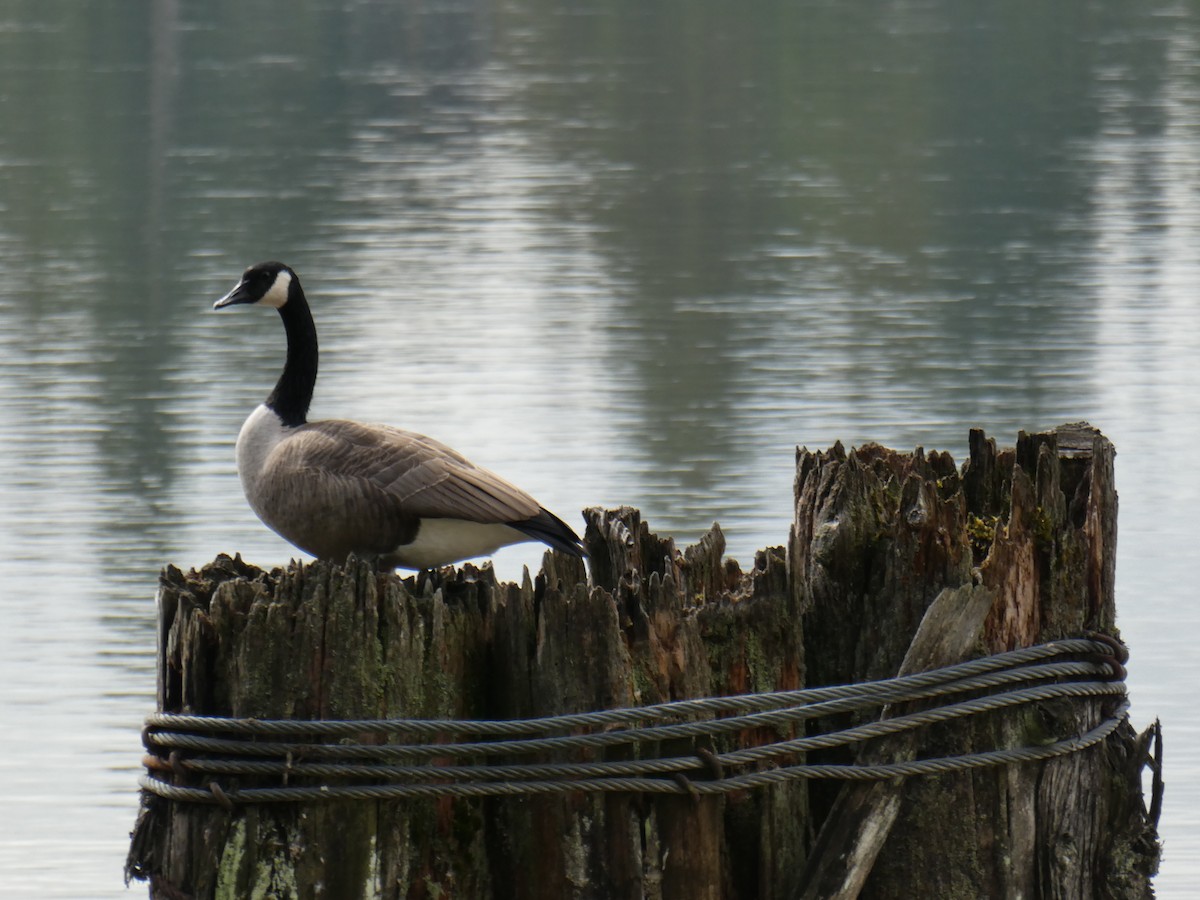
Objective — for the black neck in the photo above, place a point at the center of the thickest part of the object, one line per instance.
(293, 392)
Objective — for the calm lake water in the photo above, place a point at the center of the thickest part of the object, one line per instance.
(622, 253)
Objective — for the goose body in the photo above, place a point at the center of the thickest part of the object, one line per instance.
(335, 487)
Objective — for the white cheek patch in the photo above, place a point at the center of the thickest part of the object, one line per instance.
(278, 294)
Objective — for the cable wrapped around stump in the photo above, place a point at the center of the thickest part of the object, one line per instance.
(455, 758)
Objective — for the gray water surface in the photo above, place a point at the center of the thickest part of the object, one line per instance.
(621, 253)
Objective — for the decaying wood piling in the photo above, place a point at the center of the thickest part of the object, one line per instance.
(1017, 548)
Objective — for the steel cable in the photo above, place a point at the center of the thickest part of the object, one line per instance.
(781, 709)
(885, 689)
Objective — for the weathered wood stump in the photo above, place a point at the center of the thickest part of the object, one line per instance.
(1016, 549)
(878, 535)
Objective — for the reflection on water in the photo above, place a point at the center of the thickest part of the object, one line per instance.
(621, 253)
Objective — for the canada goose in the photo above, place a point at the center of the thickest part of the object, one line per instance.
(337, 487)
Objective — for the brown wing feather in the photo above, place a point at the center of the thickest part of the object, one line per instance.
(421, 476)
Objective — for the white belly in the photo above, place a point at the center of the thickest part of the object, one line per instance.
(443, 541)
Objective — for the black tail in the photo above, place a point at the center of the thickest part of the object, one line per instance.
(550, 529)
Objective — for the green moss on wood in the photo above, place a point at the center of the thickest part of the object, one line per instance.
(981, 531)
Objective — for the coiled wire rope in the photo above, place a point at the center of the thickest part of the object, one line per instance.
(452, 757)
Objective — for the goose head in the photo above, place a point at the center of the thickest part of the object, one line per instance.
(275, 285)
(265, 284)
